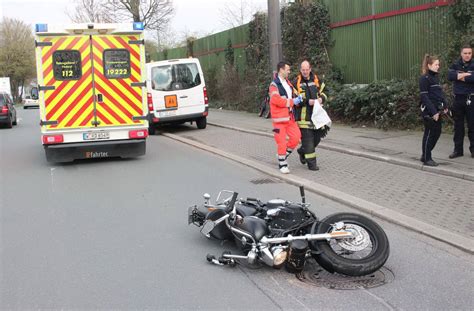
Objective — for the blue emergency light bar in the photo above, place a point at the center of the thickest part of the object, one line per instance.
(138, 26)
(41, 27)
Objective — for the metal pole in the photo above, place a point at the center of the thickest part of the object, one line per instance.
(374, 42)
(274, 33)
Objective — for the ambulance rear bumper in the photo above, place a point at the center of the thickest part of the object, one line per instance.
(95, 150)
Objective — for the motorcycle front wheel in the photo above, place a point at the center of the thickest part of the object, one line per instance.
(362, 254)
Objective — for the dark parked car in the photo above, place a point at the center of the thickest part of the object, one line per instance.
(7, 111)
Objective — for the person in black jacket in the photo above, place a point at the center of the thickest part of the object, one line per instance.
(462, 73)
(308, 84)
(433, 102)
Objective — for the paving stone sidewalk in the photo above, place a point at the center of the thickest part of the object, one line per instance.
(398, 147)
(442, 201)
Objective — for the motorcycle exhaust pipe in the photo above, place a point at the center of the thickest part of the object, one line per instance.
(297, 256)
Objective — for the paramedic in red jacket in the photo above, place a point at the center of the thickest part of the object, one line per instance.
(281, 93)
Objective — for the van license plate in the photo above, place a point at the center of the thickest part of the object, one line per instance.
(167, 113)
(96, 135)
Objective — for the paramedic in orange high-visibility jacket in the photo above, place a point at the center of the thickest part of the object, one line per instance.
(281, 93)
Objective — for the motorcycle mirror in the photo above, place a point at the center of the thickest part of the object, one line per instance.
(207, 197)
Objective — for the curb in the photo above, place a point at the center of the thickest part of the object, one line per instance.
(384, 213)
(369, 155)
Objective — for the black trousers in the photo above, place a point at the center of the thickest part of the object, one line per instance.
(430, 138)
(310, 139)
(462, 111)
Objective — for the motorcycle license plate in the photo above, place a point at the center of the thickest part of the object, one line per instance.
(96, 135)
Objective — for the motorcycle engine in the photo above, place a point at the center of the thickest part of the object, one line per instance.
(284, 215)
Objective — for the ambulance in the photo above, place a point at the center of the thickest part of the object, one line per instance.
(92, 90)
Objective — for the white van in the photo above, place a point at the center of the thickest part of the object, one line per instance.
(176, 93)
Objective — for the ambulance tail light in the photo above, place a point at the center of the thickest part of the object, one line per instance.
(149, 100)
(138, 134)
(52, 139)
(206, 99)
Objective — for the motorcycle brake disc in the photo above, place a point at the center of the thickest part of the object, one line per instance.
(359, 241)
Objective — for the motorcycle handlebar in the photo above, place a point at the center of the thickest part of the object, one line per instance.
(303, 199)
(232, 201)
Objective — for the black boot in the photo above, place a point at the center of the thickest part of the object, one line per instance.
(301, 154)
(312, 164)
(455, 154)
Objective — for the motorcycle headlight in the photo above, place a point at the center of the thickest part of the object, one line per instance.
(279, 257)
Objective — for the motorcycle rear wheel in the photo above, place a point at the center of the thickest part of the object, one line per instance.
(364, 254)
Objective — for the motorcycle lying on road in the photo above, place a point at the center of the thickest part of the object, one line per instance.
(280, 232)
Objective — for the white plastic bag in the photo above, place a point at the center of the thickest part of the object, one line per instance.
(320, 117)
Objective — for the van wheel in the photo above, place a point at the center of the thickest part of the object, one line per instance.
(15, 122)
(201, 123)
(151, 130)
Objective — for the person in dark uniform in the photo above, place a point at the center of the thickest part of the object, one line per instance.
(433, 103)
(462, 74)
(311, 88)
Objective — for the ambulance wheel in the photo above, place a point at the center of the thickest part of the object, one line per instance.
(151, 130)
(201, 123)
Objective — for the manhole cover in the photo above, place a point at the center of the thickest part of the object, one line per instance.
(315, 275)
(263, 181)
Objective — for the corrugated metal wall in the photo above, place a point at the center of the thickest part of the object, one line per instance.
(400, 41)
(353, 52)
(211, 49)
(342, 10)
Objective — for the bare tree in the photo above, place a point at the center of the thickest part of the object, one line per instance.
(237, 13)
(155, 14)
(90, 11)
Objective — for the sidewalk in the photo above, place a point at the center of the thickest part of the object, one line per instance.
(396, 147)
(433, 204)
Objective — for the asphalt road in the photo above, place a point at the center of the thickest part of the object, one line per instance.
(113, 234)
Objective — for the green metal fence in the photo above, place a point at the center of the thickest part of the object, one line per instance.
(388, 46)
(211, 49)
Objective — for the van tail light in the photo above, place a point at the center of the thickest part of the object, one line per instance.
(52, 139)
(149, 100)
(206, 99)
(4, 110)
(138, 134)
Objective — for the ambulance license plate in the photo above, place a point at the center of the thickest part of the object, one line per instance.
(96, 135)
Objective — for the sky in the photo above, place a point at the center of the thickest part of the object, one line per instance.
(197, 17)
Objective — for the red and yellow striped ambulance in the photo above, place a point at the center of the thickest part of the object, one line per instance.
(92, 90)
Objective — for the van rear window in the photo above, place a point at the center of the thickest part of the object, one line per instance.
(175, 77)
(67, 65)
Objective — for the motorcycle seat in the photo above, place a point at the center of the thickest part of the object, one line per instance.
(254, 226)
